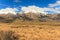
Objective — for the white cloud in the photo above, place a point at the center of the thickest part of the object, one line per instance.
(34, 9)
(55, 4)
(37, 9)
(55, 7)
(8, 10)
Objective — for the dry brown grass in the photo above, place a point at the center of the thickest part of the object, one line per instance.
(31, 30)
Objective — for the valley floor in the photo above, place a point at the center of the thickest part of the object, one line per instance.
(33, 30)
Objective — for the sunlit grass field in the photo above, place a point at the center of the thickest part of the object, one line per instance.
(29, 30)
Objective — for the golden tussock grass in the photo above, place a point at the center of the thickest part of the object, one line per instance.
(24, 30)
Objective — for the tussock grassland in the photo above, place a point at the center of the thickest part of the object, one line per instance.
(24, 30)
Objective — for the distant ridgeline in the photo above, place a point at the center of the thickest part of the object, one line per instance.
(8, 18)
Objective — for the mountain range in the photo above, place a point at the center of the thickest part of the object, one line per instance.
(29, 17)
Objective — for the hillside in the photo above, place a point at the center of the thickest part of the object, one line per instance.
(29, 17)
(29, 26)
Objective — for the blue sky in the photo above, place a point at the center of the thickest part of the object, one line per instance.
(48, 5)
(13, 3)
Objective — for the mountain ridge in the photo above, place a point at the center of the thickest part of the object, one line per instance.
(29, 17)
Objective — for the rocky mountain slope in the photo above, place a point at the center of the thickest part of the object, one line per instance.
(29, 17)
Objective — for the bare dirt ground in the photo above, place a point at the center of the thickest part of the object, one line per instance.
(33, 30)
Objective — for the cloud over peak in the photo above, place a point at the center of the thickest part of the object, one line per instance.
(8, 10)
(52, 8)
(34, 9)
